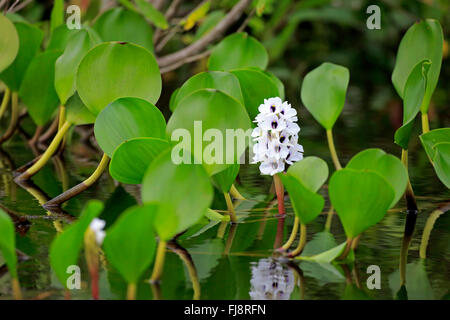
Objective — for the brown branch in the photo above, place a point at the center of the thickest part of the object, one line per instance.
(190, 59)
(211, 36)
(172, 10)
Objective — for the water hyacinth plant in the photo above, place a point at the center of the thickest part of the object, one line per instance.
(188, 159)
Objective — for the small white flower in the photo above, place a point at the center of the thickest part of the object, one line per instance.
(276, 136)
(97, 226)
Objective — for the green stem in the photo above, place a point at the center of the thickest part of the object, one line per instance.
(131, 291)
(61, 120)
(411, 203)
(5, 101)
(332, 148)
(427, 232)
(291, 239)
(215, 216)
(17, 293)
(14, 118)
(301, 242)
(159, 262)
(425, 123)
(230, 207)
(329, 219)
(46, 155)
(235, 193)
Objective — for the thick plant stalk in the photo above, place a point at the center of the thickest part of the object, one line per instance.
(189, 263)
(329, 219)
(279, 190)
(425, 123)
(332, 148)
(34, 140)
(61, 120)
(301, 242)
(14, 118)
(131, 291)
(52, 148)
(230, 207)
(235, 193)
(51, 130)
(5, 101)
(74, 191)
(159, 262)
(409, 193)
(347, 249)
(230, 238)
(291, 239)
(17, 293)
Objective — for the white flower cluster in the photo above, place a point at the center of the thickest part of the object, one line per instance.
(276, 136)
(97, 226)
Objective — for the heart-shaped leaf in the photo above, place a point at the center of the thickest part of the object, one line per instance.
(387, 165)
(8, 243)
(236, 51)
(255, 86)
(115, 70)
(302, 181)
(184, 190)
(30, 39)
(223, 81)
(225, 178)
(66, 247)
(437, 146)
(9, 42)
(60, 37)
(361, 199)
(128, 118)
(423, 40)
(323, 92)
(207, 115)
(412, 100)
(38, 89)
(118, 24)
(66, 66)
(130, 243)
(132, 158)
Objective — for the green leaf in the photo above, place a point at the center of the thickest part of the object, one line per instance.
(327, 256)
(118, 24)
(437, 146)
(66, 247)
(196, 15)
(9, 42)
(312, 172)
(130, 243)
(236, 51)
(76, 111)
(423, 40)
(212, 112)
(418, 286)
(256, 86)
(260, 7)
(412, 100)
(151, 13)
(66, 66)
(8, 243)
(223, 81)
(225, 178)
(386, 165)
(132, 158)
(184, 190)
(277, 82)
(114, 70)
(361, 199)
(30, 39)
(323, 92)
(57, 15)
(128, 118)
(60, 37)
(38, 90)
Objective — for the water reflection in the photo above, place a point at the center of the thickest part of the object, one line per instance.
(271, 280)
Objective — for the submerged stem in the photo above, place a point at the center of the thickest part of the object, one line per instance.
(131, 291)
(301, 242)
(407, 236)
(428, 228)
(425, 123)
(5, 101)
(159, 262)
(74, 191)
(230, 207)
(332, 148)
(14, 118)
(291, 239)
(46, 155)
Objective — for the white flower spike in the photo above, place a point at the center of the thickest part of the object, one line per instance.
(97, 226)
(276, 136)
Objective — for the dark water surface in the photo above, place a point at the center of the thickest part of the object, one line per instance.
(216, 261)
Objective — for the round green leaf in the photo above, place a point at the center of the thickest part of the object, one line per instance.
(132, 158)
(312, 172)
(118, 24)
(130, 243)
(127, 118)
(423, 40)
(223, 81)
(114, 70)
(184, 189)
(60, 37)
(225, 178)
(38, 90)
(67, 64)
(256, 86)
(277, 82)
(386, 165)
(238, 50)
(8, 243)
(30, 39)
(206, 115)
(9, 42)
(361, 199)
(76, 111)
(437, 146)
(323, 92)
(430, 139)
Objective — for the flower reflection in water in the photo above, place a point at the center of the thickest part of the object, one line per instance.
(271, 280)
